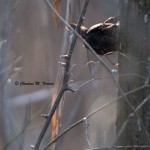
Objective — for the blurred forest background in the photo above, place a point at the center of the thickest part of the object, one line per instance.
(31, 42)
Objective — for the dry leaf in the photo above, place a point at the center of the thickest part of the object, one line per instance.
(55, 118)
(56, 5)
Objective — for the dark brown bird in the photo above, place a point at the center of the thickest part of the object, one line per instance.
(102, 37)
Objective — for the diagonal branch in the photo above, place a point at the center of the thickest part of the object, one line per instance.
(102, 61)
(128, 119)
(64, 86)
(93, 113)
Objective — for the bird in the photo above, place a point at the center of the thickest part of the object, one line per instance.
(102, 37)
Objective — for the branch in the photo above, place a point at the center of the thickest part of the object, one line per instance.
(98, 57)
(128, 119)
(124, 147)
(86, 133)
(99, 78)
(23, 130)
(91, 114)
(66, 75)
(11, 65)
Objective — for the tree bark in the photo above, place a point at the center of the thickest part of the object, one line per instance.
(134, 40)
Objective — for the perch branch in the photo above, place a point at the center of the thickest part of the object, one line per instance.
(66, 75)
(97, 56)
(100, 59)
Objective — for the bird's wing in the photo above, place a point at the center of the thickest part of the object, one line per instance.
(111, 20)
(101, 28)
(96, 27)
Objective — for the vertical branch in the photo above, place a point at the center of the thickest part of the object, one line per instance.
(57, 116)
(3, 64)
(134, 33)
(26, 121)
(66, 33)
(86, 133)
(64, 86)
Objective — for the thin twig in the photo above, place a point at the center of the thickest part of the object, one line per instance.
(11, 65)
(93, 62)
(90, 62)
(91, 114)
(100, 59)
(64, 44)
(124, 147)
(98, 78)
(97, 62)
(91, 80)
(86, 133)
(120, 97)
(128, 119)
(48, 120)
(66, 74)
(34, 117)
(63, 133)
(82, 68)
(79, 36)
(59, 76)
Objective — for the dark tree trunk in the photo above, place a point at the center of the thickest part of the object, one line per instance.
(134, 39)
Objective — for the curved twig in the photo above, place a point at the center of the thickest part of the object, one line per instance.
(106, 66)
(93, 113)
